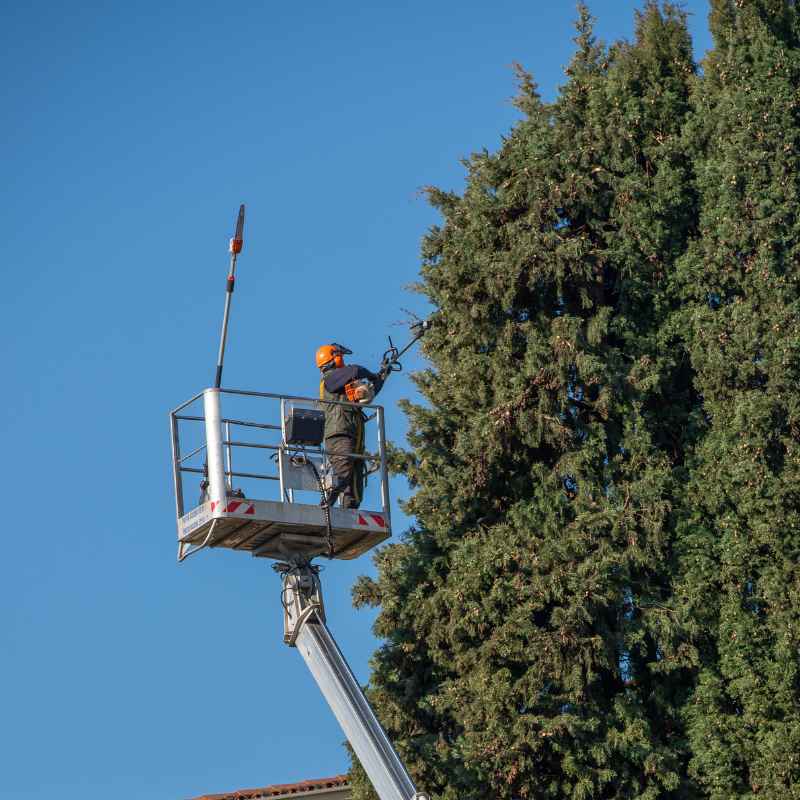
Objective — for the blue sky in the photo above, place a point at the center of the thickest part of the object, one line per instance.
(132, 133)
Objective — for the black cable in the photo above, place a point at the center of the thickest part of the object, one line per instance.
(304, 459)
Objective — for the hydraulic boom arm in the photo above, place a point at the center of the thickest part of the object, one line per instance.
(305, 629)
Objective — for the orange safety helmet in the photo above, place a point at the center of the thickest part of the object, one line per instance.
(332, 353)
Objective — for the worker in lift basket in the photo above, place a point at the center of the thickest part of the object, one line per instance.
(344, 425)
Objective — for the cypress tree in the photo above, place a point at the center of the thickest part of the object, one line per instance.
(738, 593)
(529, 639)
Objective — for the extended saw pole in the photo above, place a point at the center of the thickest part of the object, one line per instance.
(391, 358)
(420, 330)
(235, 248)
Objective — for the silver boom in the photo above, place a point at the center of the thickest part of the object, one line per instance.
(305, 629)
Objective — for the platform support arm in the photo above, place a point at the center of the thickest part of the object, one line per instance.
(305, 629)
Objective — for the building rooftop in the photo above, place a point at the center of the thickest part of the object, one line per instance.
(282, 789)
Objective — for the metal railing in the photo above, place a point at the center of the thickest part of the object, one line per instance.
(213, 458)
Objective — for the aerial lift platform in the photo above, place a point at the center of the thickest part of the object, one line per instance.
(277, 441)
(291, 524)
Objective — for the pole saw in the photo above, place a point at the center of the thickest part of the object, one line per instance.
(391, 358)
(363, 390)
(235, 247)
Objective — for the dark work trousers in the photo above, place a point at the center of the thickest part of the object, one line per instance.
(348, 473)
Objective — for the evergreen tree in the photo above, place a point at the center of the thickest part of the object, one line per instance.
(531, 650)
(739, 588)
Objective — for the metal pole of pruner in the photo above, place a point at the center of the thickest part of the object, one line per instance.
(235, 248)
(392, 356)
(420, 328)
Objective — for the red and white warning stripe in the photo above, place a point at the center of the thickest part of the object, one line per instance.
(370, 520)
(237, 507)
(240, 507)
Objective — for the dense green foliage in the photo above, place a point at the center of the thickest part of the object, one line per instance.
(600, 595)
(738, 593)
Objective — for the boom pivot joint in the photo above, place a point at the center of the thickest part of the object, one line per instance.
(301, 597)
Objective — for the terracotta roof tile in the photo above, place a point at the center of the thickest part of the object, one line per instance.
(281, 789)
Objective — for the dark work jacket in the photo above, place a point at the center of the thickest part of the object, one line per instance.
(345, 420)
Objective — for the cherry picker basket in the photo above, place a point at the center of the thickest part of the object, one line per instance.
(259, 469)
